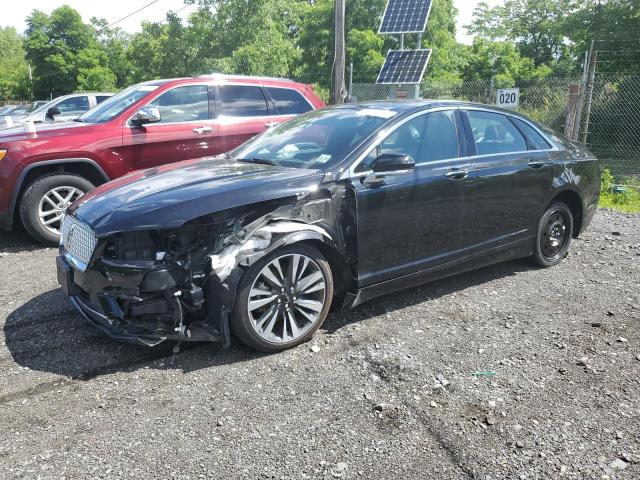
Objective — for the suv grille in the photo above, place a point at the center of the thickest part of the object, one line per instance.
(78, 241)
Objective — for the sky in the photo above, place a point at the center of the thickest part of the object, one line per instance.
(114, 10)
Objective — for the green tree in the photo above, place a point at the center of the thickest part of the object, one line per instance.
(501, 61)
(14, 71)
(63, 51)
(537, 27)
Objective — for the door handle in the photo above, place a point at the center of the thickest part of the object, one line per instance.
(202, 130)
(457, 174)
(271, 124)
(536, 164)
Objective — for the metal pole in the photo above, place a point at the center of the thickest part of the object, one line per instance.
(583, 88)
(351, 82)
(589, 96)
(337, 82)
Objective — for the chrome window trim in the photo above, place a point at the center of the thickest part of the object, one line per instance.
(382, 134)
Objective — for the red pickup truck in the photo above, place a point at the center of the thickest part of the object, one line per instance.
(146, 125)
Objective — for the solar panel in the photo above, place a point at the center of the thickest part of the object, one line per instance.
(405, 16)
(404, 66)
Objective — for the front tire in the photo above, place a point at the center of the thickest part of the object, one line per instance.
(44, 202)
(555, 230)
(283, 299)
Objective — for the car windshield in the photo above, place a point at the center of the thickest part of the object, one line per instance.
(117, 104)
(318, 139)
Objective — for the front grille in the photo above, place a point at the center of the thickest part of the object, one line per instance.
(78, 240)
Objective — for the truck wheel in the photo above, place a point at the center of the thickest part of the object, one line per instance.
(45, 201)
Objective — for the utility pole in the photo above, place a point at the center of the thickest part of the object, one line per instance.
(593, 62)
(339, 59)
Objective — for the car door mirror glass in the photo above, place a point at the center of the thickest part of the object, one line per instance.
(52, 112)
(392, 162)
(146, 115)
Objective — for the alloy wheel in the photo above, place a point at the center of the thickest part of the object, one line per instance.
(287, 298)
(53, 205)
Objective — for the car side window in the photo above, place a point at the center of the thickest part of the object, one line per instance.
(534, 139)
(242, 101)
(101, 98)
(426, 139)
(288, 102)
(183, 104)
(74, 105)
(494, 133)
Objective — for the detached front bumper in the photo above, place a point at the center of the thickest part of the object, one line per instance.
(111, 320)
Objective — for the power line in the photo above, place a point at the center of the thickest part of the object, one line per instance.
(130, 15)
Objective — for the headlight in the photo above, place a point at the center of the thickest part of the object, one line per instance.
(3, 152)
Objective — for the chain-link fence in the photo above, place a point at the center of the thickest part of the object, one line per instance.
(611, 124)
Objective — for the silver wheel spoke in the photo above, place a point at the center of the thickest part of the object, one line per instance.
(262, 302)
(266, 316)
(309, 304)
(271, 277)
(57, 195)
(308, 316)
(295, 331)
(309, 281)
(52, 220)
(69, 196)
(50, 202)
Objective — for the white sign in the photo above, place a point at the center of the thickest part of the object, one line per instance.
(508, 98)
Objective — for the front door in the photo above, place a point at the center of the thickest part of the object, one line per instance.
(413, 221)
(186, 129)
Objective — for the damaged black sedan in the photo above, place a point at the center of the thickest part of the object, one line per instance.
(331, 208)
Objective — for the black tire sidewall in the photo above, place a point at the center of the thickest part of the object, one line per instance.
(30, 202)
(241, 323)
(538, 257)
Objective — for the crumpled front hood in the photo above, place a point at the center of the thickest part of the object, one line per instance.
(168, 196)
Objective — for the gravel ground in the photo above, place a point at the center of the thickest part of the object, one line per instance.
(507, 372)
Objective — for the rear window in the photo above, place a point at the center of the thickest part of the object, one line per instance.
(534, 139)
(242, 101)
(494, 133)
(288, 102)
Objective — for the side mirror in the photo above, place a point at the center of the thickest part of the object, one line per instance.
(146, 115)
(392, 162)
(388, 164)
(52, 112)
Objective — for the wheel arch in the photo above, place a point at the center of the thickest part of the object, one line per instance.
(573, 200)
(83, 167)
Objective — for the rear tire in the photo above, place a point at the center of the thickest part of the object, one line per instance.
(45, 200)
(553, 239)
(290, 291)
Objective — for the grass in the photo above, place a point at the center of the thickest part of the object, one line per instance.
(626, 200)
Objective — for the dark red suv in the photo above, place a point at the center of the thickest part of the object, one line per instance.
(146, 125)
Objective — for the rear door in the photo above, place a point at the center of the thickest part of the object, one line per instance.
(512, 175)
(186, 130)
(243, 112)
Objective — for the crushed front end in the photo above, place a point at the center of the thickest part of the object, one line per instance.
(142, 286)
(147, 286)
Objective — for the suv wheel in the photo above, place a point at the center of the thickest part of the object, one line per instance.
(554, 235)
(44, 202)
(283, 299)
